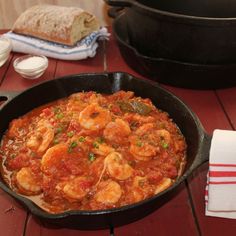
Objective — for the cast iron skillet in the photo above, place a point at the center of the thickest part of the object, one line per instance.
(176, 73)
(197, 140)
(202, 31)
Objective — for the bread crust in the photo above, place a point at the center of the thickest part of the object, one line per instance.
(64, 25)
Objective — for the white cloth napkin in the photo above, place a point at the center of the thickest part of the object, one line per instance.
(84, 48)
(221, 184)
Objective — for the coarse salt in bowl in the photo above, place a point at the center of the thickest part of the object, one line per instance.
(5, 49)
(31, 66)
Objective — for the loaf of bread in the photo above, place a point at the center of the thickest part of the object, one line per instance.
(64, 25)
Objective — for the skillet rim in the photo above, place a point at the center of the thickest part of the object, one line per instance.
(37, 211)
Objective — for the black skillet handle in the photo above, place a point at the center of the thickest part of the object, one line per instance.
(6, 96)
(120, 3)
(204, 151)
(113, 12)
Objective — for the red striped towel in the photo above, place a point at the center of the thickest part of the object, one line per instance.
(220, 195)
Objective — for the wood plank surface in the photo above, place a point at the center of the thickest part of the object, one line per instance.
(12, 216)
(179, 209)
(176, 212)
(228, 101)
(207, 107)
(35, 228)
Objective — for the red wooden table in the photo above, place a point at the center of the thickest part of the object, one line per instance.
(182, 215)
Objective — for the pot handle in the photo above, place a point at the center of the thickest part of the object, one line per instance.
(113, 12)
(120, 3)
(6, 96)
(204, 151)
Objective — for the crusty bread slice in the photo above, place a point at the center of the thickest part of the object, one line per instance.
(65, 25)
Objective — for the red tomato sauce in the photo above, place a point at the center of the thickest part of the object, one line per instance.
(92, 151)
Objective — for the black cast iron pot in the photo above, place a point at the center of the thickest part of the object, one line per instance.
(172, 72)
(202, 31)
(197, 140)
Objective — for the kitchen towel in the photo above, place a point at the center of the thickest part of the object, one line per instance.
(85, 48)
(220, 194)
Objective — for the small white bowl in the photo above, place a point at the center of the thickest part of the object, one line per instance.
(31, 66)
(5, 49)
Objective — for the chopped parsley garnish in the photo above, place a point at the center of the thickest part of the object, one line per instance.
(13, 155)
(91, 157)
(139, 143)
(72, 146)
(81, 139)
(95, 145)
(55, 141)
(134, 125)
(59, 115)
(59, 130)
(165, 145)
(141, 183)
(100, 140)
(57, 110)
(70, 134)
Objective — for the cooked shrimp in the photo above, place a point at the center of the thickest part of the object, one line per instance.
(117, 130)
(76, 188)
(122, 95)
(150, 132)
(117, 166)
(142, 150)
(102, 149)
(96, 98)
(134, 117)
(137, 191)
(41, 138)
(27, 182)
(145, 128)
(53, 157)
(83, 142)
(179, 145)
(88, 98)
(164, 135)
(94, 117)
(75, 105)
(146, 141)
(164, 184)
(140, 189)
(109, 192)
(15, 127)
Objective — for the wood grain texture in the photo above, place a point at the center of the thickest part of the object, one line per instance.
(173, 218)
(228, 101)
(208, 108)
(35, 228)
(10, 10)
(178, 211)
(12, 216)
